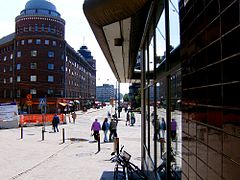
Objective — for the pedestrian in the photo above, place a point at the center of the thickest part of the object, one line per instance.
(74, 116)
(109, 114)
(163, 128)
(132, 119)
(55, 122)
(105, 128)
(96, 127)
(158, 136)
(113, 128)
(127, 119)
(173, 129)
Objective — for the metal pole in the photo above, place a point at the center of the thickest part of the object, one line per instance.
(21, 131)
(117, 144)
(99, 142)
(168, 110)
(42, 133)
(63, 133)
(118, 99)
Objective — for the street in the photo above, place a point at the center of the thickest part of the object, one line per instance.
(32, 158)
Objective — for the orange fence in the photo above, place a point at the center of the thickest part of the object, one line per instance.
(39, 118)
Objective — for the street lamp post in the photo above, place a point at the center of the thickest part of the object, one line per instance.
(118, 99)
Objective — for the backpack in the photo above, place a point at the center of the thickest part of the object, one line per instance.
(103, 126)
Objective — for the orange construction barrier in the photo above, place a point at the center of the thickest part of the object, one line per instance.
(39, 119)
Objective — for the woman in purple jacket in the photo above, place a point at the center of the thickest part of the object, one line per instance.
(96, 127)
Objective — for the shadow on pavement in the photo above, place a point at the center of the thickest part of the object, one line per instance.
(107, 175)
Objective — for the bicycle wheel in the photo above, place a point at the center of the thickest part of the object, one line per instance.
(135, 171)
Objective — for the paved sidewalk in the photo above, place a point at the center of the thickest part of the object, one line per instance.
(31, 158)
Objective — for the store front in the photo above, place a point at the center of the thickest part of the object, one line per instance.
(138, 33)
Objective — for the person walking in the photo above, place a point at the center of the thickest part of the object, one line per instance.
(108, 114)
(113, 128)
(96, 127)
(173, 129)
(74, 116)
(55, 122)
(127, 119)
(163, 128)
(105, 128)
(132, 119)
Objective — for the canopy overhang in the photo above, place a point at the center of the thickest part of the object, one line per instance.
(118, 27)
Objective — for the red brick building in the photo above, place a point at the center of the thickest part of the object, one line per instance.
(37, 60)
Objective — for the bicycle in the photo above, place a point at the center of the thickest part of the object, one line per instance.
(129, 170)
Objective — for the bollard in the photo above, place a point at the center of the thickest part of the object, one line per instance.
(42, 134)
(63, 135)
(98, 142)
(116, 145)
(21, 131)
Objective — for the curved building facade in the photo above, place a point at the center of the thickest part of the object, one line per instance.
(40, 49)
(37, 60)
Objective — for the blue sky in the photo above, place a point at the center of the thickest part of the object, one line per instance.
(77, 31)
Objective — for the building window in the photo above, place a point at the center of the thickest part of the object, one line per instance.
(50, 79)
(34, 53)
(18, 78)
(19, 54)
(18, 66)
(33, 78)
(36, 28)
(54, 43)
(46, 42)
(10, 68)
(43, 27)
(50, 66)
(11, 56)
(5, 93)
(10, 79)
(50, 91)
(50, 54)
(38, 41)
(33, 66)
(29, 41)
(4, 69)
(33, 91)
(4, 81)
(22, 42)
(18, 93)
(5, 58)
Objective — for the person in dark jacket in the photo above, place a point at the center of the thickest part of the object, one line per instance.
(55, 123)
(113, 128)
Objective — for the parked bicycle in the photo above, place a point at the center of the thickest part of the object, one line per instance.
(124, 169)
(175, 173)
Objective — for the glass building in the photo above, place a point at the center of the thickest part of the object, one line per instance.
(188, 52)
(105, 93)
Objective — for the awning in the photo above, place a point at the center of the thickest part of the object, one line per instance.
(118, 27)
(62, 104)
